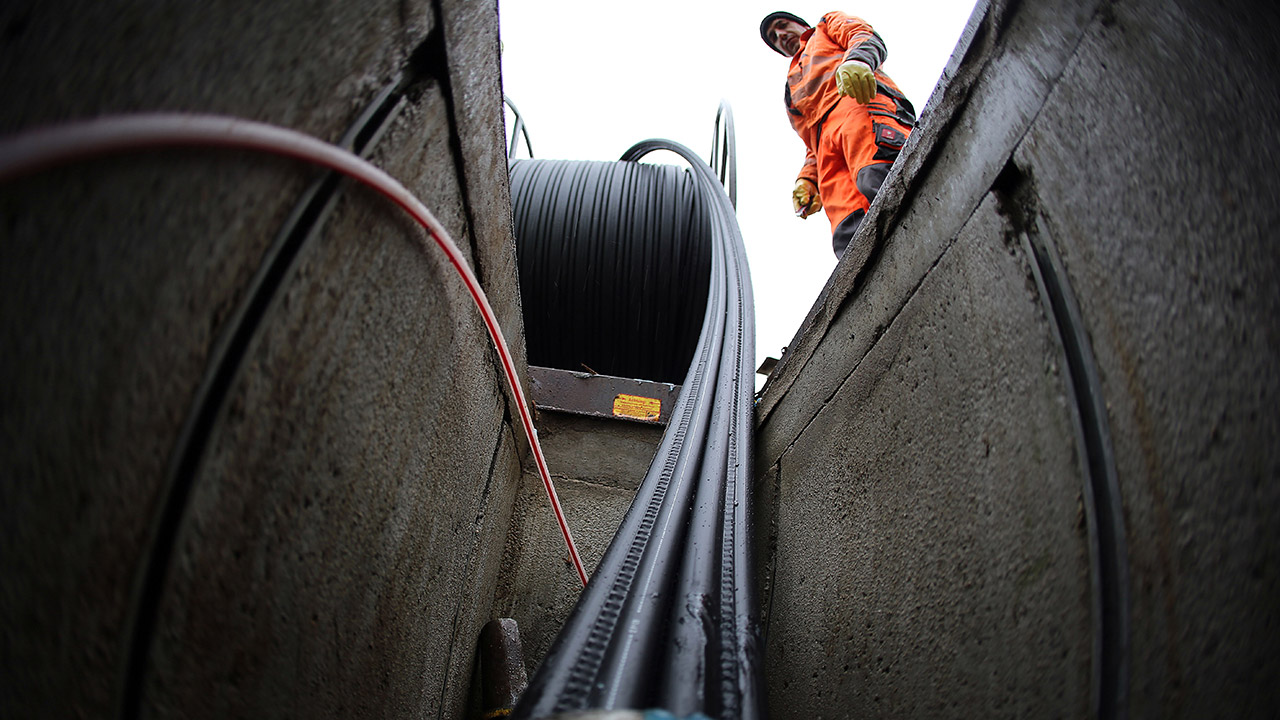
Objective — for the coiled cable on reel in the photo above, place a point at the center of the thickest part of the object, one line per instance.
(614, 262)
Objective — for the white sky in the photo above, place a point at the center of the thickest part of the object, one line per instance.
(592, 78)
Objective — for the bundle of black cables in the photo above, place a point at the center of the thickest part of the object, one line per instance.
(670, 619)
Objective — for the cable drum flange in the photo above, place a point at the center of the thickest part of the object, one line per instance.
(615, 262)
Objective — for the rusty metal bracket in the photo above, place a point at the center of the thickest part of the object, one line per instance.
(605, 396)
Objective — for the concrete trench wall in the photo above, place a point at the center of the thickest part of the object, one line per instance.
(921, 468)
(597, 464)
(926, 526)
(345, 520)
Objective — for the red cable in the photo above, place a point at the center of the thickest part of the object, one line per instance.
(46, 147)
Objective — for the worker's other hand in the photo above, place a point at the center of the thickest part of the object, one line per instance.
(804, 198)
(855, 79)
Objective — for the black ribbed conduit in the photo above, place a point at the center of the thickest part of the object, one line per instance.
(670, 619)
(614, 260)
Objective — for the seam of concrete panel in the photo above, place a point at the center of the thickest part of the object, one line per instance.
(435, 43)
(842, 289)
(768, 566)
(453, 667)
(436, 51)
(596, 482)
(465, 162)
(881, 332)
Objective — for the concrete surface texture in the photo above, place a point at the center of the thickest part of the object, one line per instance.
(936, 478)
(597, 464)
(324, 480)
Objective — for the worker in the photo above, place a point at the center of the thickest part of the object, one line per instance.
(852, 118)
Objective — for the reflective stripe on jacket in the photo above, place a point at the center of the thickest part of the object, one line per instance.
(811, 92)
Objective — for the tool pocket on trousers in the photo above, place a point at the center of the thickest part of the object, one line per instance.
(889, 141)
(904, 112)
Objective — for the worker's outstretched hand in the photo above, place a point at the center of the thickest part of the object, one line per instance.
(804, 198)
(855, 79)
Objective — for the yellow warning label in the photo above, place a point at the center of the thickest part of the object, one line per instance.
(636, 407)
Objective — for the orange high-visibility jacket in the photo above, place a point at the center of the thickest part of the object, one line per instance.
(811, 92)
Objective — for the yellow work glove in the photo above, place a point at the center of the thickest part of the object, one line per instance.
(855, 79)
(805, 198)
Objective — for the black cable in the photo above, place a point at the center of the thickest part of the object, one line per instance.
(518, 130)
(1103, 503)
(670, 618)
(301, 227)
(724, 152)
(728, 661)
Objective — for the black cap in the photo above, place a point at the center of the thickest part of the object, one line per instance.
(780, 15)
